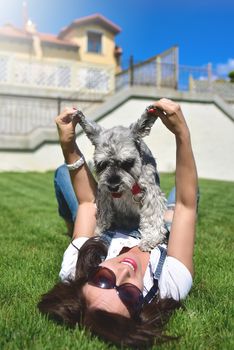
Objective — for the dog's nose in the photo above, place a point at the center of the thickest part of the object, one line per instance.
(113, 188)
(114, 180)
(113, 183)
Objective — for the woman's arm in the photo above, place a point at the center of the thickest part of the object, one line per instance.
(82, 179)
(182, 235)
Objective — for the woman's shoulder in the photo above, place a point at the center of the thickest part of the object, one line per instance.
(175, 280)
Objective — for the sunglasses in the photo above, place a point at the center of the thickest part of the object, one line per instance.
(129, 294)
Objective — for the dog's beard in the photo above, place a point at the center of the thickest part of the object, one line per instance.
(126, 179)
(125, 184)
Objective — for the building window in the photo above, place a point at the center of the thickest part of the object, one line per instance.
(94, 42)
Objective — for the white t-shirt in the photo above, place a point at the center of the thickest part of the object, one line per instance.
(175, 280)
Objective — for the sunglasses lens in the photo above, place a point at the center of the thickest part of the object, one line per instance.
(131, 296)
(103, 278)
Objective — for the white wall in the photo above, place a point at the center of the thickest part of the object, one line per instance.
(47, 157)
(212, 135)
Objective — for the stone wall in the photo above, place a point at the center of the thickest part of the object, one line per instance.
(225, 89)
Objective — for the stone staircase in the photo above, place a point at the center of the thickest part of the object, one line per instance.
(47, 133)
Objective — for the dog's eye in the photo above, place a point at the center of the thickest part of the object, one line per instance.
(127, 164)
(101, 166)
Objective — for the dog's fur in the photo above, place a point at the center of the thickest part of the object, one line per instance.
(129, 196)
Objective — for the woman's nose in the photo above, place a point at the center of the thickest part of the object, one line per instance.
(122, 275)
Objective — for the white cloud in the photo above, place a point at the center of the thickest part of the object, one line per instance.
(225, 68)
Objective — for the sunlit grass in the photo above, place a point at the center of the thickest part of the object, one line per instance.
(32, 243)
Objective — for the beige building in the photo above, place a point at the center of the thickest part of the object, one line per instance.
(83, 56)
(41, 73)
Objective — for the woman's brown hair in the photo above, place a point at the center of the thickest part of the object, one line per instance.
(65, 303)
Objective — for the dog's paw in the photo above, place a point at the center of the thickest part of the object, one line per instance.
(149, 242)
(145, 246)
(98, 231)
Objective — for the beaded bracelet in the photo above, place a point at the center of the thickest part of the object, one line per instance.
(76, 165)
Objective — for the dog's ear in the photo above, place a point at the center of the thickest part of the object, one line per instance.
(91, 128)
(143, 125)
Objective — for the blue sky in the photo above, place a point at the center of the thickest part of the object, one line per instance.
(203, 29)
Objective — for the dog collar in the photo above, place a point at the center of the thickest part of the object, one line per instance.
(136, 189)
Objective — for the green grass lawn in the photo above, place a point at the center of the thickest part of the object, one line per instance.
(32, 243)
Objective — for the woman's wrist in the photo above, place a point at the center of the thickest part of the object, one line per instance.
(71, 153)
(183, 134)
(69, 146)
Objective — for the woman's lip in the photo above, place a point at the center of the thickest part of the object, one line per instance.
(130, 261)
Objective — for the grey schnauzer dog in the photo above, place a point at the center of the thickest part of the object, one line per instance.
(128, 196)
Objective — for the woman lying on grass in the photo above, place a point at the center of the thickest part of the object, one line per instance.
(115, 290)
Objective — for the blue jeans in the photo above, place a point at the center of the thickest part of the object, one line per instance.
(66, 198)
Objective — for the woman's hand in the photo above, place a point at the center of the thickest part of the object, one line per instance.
(171, 115)
(66, 124)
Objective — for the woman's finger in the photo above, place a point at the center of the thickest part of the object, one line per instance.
(66, 116)
(168, 106)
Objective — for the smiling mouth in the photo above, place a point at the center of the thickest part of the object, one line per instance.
(130, 262)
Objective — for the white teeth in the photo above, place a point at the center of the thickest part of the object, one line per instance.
(127, 263)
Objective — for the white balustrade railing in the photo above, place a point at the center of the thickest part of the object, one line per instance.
(78, 83)
(59, 74)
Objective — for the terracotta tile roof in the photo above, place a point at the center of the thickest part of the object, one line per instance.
(10, 31)
(92, 19)
(54, 39)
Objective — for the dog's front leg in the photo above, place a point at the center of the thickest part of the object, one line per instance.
(104, 212)
(151, 219)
